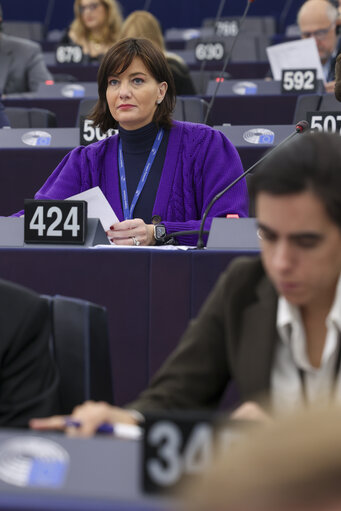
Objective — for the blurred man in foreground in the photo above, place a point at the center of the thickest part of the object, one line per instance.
(318, 19)
(294, 464)
(272, 324)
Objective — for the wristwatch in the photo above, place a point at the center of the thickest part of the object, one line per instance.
(159, 234)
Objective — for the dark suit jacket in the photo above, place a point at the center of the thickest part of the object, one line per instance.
(22, 65)
(331, 72)
(233, 338)
(28, 378)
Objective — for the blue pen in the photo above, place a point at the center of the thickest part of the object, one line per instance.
(102, 428)
(121, 430)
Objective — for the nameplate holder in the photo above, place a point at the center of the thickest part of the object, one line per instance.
(55, 221)
(299, 81)
(68, 54)
(325, 121)
(179, 446)
(89, 133)
(233, 234)
(209, 51)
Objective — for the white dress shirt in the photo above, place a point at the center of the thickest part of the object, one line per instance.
(286, 386)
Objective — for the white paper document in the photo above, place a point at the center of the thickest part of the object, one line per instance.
(98, 206)
(300, 54)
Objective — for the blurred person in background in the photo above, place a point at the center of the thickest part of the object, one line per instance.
(319, 19)
(22, 66)
(144, 24)
(95, 28)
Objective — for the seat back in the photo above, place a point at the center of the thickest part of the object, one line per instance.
(191, 109)
(80, 344)
(33, 30)
(306, 103)
(21, 117)
(315, 103)
(329, 103)
(85, 107)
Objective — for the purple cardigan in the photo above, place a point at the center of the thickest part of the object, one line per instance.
(199, 163)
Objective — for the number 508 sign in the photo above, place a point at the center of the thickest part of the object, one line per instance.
(55, 221)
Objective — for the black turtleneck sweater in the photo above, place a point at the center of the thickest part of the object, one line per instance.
(136, 147)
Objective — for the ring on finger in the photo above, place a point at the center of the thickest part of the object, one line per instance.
(136, 242)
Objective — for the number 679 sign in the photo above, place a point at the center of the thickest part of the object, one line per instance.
(55, 221)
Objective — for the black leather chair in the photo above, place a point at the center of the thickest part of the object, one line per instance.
(192, 109)
(21, 117)
(80, 344)
(306, 103)
(33, 30)
(315, 103)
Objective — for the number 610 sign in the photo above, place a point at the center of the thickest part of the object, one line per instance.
(55, 221)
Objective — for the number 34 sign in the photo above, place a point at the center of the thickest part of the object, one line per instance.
(55, 221)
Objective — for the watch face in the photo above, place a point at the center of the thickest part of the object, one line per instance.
(160, 231)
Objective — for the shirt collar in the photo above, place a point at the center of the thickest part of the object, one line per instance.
(334, 316)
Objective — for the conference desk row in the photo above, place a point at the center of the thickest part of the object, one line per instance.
(150, 293)
(248, 109)
(88, 72)
(24, 168)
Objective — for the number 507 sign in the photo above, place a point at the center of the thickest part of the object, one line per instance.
(55, 221)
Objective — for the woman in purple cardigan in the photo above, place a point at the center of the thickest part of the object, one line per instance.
(158, 175)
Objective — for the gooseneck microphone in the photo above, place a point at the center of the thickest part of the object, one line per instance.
(300, 127)
(227, 60)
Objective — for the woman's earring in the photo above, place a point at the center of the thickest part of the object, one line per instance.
(159, 101)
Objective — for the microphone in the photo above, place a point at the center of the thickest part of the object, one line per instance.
(300, 127)
(337, 89)
(227, 60)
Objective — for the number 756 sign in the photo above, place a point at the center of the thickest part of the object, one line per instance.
(55, 221)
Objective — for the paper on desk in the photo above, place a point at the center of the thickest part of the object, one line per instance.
(98, 206)
(300, 54)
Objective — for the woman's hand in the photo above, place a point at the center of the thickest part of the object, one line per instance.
(124, 233)
(88, 417)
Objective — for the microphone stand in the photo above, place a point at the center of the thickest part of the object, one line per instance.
(284, 14)
(300, 127)
(227, 60)
(218, 16)
(48, 17)
(147, 5)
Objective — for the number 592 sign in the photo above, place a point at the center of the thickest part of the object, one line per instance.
(55, 221)
(299, 81)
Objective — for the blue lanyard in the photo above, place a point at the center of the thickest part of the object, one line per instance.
(128, 212)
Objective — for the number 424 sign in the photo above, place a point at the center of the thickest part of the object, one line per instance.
(55, 221)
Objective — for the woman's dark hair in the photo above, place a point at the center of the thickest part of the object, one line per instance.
(310, 162)
(116, 61)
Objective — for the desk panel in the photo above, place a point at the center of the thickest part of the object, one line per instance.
(150, 294)
(100, 474)
(23, 172)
